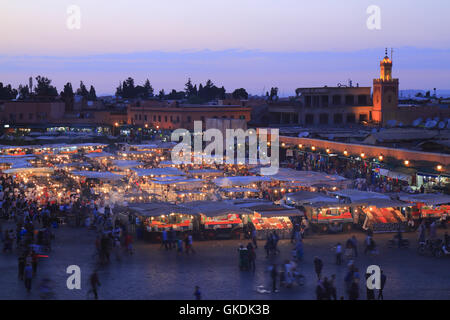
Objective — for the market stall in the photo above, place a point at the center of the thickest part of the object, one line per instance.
(384, 216)
(269, 218)
(427, 205)
(326, 217)
(160, 216)
(218, 219)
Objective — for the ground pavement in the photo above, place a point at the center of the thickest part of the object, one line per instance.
(154, 273)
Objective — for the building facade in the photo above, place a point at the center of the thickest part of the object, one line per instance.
(343, 105)
(173, 116)
(324, 106)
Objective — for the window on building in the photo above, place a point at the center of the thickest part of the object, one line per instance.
(189, 118)
(202, 118)
(350, 118)
(362, 99)
(307, 101)
(135, 117)
(154, 118)
(316, 101)
(323, 118)
(349, 100)
(30, 116)
(140, 117)
(324, 101)
(159, 118)
(309, 118)
(337, 118)
(336, 99)
(145, 117)
(165, 118)
(178, 119)
(20, 116)
(363, 117)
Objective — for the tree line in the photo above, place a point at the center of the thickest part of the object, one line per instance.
(193, 93)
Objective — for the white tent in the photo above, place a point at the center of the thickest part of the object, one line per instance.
(239, 180)
(126, 163)
(103, 175)
(159, 172)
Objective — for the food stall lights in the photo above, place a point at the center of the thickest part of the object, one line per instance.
(328, 150)
(363, 155)
(380, 158)
(283, 144)
(313, 148)
(406, 162)
(439, 167)
(300, 146)
(345, 152)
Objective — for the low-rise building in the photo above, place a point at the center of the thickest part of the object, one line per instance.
(164, 115)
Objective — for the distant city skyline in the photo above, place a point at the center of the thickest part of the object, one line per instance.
(251, 44)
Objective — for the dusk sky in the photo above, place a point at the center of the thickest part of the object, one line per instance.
(236, 43)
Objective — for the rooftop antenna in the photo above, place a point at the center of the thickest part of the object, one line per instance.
(385, 52)
(392, 53)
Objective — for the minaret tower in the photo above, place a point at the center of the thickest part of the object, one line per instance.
(385, 93)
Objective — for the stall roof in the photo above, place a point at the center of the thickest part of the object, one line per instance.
(159, 208)
(307, 178)
(357, 195)
(306, 197)
(30, 170)
(126, 163)
(272, 210)
(427, 198)
(159, 172)
(73, 164)
(17, 161)
(144, 146)
(245, 203)
(205, 171)
(214, 208)
(239, 180)
(384, 203)
(333, 205)
(106, 175)
(177, 181)
(240, 190)
(98, 155)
